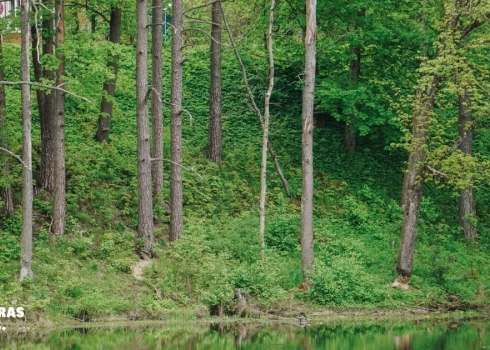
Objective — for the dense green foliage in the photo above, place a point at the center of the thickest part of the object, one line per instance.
(87, 274)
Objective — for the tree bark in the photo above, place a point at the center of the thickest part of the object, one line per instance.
(59, 205)
(46, 103)
(27, 194)
(214, 130)
(156, 101)
(265, 135)
(145, 205)
(413, 184)
(350, 131)
(176, 205)
(466, 201)
(109, 88)
(307, 253)
(7, 208)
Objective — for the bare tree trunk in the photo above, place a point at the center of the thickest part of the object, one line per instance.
(109, 88)
(5, 190)
(46, 103)
(466, 201)
(254, 105)
(59, 205)
(214, 130)
(413, 184)
(350, 131)
(27, 195)
(145, 205)
(307, 141)
(265, 137)
(176, 205)
(156, 101)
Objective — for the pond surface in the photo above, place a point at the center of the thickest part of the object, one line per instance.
(249, 335)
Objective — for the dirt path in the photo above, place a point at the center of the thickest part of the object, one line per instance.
(138, 269)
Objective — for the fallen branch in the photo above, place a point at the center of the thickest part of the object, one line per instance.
(254, 105)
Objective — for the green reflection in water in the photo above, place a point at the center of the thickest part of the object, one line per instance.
(403, 336)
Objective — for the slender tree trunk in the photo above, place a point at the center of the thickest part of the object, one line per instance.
(307, 141)
(254, 105)
(265, 137)
(59, 205)
(156, 101)
(214, 129)
(109, 89)
(350, 131)
(27, 195)
(176, 205)
(466, 202)
(145, 205)
(413, 184)
(5, 190)
(46, 103)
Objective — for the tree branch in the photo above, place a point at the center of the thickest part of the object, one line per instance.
(15, 156)
(204, 5)
(179, 165)
(46, 87)
(435, 171)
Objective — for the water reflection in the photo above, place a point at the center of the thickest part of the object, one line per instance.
(253, 335)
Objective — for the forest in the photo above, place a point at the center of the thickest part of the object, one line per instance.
(181, 159)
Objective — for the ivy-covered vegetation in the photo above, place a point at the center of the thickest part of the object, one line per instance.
(88, 272)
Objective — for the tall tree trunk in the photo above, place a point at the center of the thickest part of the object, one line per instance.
(307, 141)
(145, 205)
(413, 184)
(156, 100)
(466, 201)
(59, 205)
(214, 129)
(350, 131)
(265, 137)
(109, 88)
(27, 195)
(46, 103)
(7, 208)
(176, 205)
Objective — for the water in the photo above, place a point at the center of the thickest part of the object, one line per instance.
(251, 335)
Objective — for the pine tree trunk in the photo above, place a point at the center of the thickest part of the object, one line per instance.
(59, 205)
(350, 131)
(176, 205)
(156, 101)
(46, 104)
(265, 135)
(5, 190)
(109, 88)
(413, 184)
(145, 205)
(466, 202)
(214, 129)
(307, 253)
(27, 195)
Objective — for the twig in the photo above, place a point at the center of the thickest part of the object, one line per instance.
(254, 105)
(32, 83)
(15, 156)
(180, 165)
